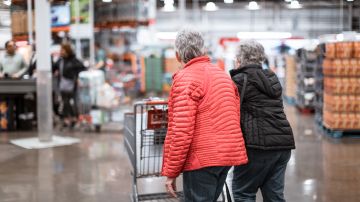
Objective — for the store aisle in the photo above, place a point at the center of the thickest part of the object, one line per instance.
(97, 169)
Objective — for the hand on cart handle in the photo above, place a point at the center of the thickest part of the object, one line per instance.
(171, 186)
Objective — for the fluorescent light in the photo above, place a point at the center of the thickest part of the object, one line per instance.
(228, 1)
(288, 1)
(295, 5)
(7, 2)
(264, 35)
(168, 6)
(211, 6)
(166, 35)
(350, 0)
(253, 5)
(107, 1)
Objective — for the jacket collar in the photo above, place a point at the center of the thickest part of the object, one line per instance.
(234, 72)
(200, 59)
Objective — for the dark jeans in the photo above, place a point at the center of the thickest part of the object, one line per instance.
(69, 102)
(265, 170)
(204, 185)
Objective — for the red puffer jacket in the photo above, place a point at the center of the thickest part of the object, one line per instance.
(204, 120)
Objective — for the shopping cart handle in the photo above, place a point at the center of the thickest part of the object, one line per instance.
(156, 102)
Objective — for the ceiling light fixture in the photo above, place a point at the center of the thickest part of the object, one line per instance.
(210, 6)
(253, 5)
(107, 1)
(169, 6)
(264, 35)
(228, 1)
(288, 1)
(350, 0)
(295, 5)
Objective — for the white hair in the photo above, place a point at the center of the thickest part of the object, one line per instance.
(189, 44)
(250, 52)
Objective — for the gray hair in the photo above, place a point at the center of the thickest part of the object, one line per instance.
(189, 44)
(250, 52)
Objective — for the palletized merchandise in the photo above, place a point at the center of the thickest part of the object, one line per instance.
(342, 103)
(290, 75)
(342, 87)
(357, 49)
(342, 121)
(344, 49)
(339, 85)
(330, 50)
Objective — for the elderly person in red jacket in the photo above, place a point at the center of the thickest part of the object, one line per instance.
(204, 137)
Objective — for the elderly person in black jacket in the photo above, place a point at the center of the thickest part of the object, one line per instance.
(268, 135)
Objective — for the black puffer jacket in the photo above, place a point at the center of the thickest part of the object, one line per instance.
(263, 120)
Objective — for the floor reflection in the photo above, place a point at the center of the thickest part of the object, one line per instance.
(321, 169)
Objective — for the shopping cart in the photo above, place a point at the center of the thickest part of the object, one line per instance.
(145, 131)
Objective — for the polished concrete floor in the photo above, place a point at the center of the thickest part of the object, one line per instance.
(97, 169)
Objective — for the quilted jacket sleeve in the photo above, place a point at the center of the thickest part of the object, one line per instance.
(183, 103)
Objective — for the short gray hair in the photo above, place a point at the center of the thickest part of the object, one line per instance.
(189, 44)
(250, 52)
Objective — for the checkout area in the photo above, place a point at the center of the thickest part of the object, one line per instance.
(17, 104)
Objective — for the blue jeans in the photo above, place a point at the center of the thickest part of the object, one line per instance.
(204, 185)
(265, 170)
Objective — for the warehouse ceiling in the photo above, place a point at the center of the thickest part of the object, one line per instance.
(240, 3)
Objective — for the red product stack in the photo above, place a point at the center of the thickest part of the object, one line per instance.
(342, 86)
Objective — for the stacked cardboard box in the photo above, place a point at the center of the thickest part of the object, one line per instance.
(342, 86)
(290, 77)
(19, 22)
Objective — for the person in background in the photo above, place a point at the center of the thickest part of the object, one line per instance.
(100, 57)
(12, 64)
(67, 69)
(204, 137)
(268, 135)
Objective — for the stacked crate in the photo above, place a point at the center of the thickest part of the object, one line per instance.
(290, 79)
(305, 94)
(342, 86)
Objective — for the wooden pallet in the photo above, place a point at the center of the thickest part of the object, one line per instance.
(339, 133)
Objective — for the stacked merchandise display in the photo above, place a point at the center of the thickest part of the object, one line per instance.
(305, 94)
(122, 13)
(290, 79)
(6, 115)
(319, 84)
(342, 87)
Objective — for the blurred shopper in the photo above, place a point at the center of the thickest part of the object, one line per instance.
(100, 57)
(204, 137)
(267, 132)
(12, 64)
(67, 68)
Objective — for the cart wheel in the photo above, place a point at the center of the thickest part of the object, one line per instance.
(98, 128)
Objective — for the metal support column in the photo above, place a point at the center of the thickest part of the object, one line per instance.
(44, 77)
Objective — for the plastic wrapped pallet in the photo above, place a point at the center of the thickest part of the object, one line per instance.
(342, 87)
